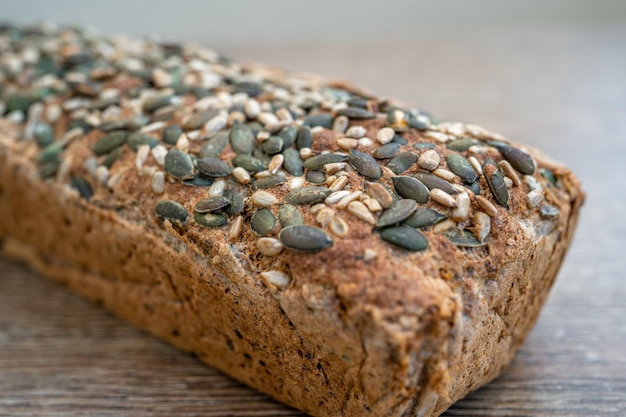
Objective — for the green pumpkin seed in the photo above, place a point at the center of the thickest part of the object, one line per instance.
(209, 219)
(307, 195)
(17, 102)
(432, 181)
(156, 102)
(82, 186)
(213, 167)
(135, 140)
(409, 187)
(473, 187)
(397, 119)
(324, 120)
(172, 211)
(365, 164)
(400, 163)
(198, 120)
(418, 123)
(179, 165)
(405, 237)
(495, 180)
(273, 145)
(318, 161)
(44, 134)
(461, 167)
(518, 159)
(214, 146)
(49, 169)
(50, 152)
(387, 151)
(288, 135)
(241, 138)
(549, 175)
(171, 134)
(236, 202)
(211, 204)
(356, 113)
(251, 88)
(399, 140)
(424, 145)
(110, 126)
(303, 238)
(462, 144)
(113, 156)
(249, 163)
(316, 177)
(198, 181)
(463, 238)
(399, 211)
(305, 138)
(289, 215)
(262, 222)
(292, 162)
(423, 217)
(268, 182)
(548, 212)
(109, 142)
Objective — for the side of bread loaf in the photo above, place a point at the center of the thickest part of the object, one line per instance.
(335, 298)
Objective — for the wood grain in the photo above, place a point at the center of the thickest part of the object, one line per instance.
(562, 90)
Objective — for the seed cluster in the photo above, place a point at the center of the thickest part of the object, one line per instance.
(269, 148)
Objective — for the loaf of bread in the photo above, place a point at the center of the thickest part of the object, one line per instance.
(347, 255)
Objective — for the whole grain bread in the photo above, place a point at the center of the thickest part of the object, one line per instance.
(399, 284)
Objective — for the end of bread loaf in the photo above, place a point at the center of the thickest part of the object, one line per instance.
(344, 254)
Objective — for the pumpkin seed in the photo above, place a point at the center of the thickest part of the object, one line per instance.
(154, 103)
(171, 134)
(365, 164)
(318, 161)
(289, 215)
(236, 202)
(307, 195)
(547, 211)
(268, 182)
(211, 204)
(288, 135)
(273, 145)
(316, 177)
(44, 134)
(304, 138)
(50, 152)
(82, 186)
(112, 157)
(461, 167)
(135, 140)
(251, 88)
(424, 145)
(109, 142)
(214, 146)
(49, 169)
(423, 217)
(293, 162)
(198, 181)
(405, 237)
(432, 181)
(400, 163)
(399, 211)
(212, 167)
(356, 113)
(110, 126)
(549, 175)
(418, 122)
(495, 180)
(172, 211)
(397, 138)
(262, 222)
(248, 162)
(409, 187)
(473, 187)
(179, 165)
(462, 144)
(387, 151)
(519, 159)
(241, 138)
(304, 238)
(324, 120)
(463, 238)
(209, 219)
(198, 120)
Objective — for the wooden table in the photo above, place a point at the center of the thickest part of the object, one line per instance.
(562, 90)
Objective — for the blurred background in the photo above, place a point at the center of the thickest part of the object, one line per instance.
(550, 73)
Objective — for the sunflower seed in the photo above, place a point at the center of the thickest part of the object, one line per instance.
(400, 163)
(335, 197)
(487, 206)
(386, 151)
(264, 199)
(171, 134)
(442, 198)
(142, 154)
(445, 174)
(338, 184)
(482, 225)
(399, 211)
(510, 172)
(304, 138)
(496, 183)
(217, 188)
(347, 143)
(295, 183)
(158, 182)
(429, 160)
(317, 162)
(385, 135)
(431, 181)
(269, 246)
(356, 132)
(248, 162)
(461, 167)
(476, 165)
(405, 237)
(369, 255)
(519, 159)
(443, 226)
(409, 187)
(360, 211)
(209, 219)
(262, 222)
(461, 211)
(304, 238)
(397, 120)
(340, 124)
(211, 204)
(172, 211)
(335, 167)
(373, 205)
(463, 239)
(109, 142)
(353, 196)
(307, 195)
(198, 120)
(324, 216)
(179, 165)
(276, 279)
(462, 144)
(547, 211)
(324, 120)
(535, 197)
(380, 193)
(423, 217)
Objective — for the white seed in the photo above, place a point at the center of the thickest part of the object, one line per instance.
(338, 184)
(369, 255)
(339, 227)
(387, 173)
(360, 211)
(510, 172)
(341, 123)
(102, 174)
(63, 175)
(158, 182)
(295, 183)
(267, 118)
(142, 154)
(241, 175)
(482, 225)
(476, 165)
(306, 153)
(216, 123)
(444, 173)
(366, 142)
(152, 127)
(335, 197)
(438, 136)
(373, 205)
(347, 143)
(284, 115)
(316, 208)
(334, 167)
(379, 193)
(161, 78)
(91, 165)
(508, 182)
(182, 143)
(53, 113)
(356, 132)
(264, 199)
(535, 197)
(461, 211)
(324, 216)
(442, 198)
(483, 150)
(235, 229)
(276, 127)
(487, 206)
(385, 135)
(252, 108)
(263, 174)
(330, 179)
(235, 116)
(532, 183)
(148, 171)
(114, 179)
(344, 202)
(158, 153)
(276, 279)
(269, 246)
(429, 160)
(217, 188)
(276, 162)
(443, 226)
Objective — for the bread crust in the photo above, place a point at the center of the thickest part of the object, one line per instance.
(393, 334)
